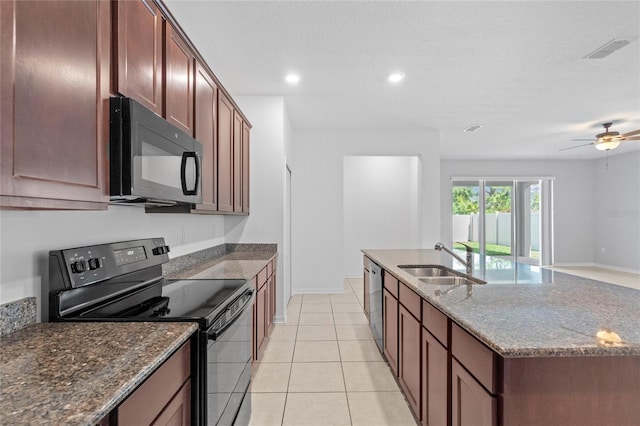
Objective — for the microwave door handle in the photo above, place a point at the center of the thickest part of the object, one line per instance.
(183, 173)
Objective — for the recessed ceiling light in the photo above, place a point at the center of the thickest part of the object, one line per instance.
(396, 77)
(292, 78)
(472, 128)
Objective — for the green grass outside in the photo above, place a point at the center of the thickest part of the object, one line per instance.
(492, 249)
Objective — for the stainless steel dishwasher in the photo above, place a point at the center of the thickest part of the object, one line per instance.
(375, 301)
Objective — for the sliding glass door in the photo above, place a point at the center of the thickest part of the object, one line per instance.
(503, 218)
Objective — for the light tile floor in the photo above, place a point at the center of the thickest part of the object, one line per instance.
(323, 368)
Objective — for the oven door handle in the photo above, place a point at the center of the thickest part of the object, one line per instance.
(250, 296)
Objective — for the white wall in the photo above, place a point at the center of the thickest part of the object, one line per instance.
(380, 206)
(318, 196)
(27, 236)
(265, 223)
(574, 197)
(617, 211)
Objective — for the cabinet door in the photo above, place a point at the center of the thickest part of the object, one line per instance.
(158, 392)
(365, 274)
(179, 63)
(237, 162)
(178, 411)
(434, 381)
(205, 132)
(139, 52)
(246, 135)
(409, 357)
(54, 87)
(390, 310)
(261, 303)
(225, 153)
(269, 308)
(471, 404)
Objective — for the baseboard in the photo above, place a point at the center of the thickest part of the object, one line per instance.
(280, 319)
(617, 268)
(318, 291)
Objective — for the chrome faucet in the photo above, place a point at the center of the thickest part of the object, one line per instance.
(468, 263)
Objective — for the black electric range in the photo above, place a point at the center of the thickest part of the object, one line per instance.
(123, 281)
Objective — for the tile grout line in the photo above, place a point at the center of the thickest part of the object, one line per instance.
(344, 380)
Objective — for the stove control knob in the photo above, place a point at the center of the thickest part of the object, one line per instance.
(161, 250)
(94, 263)
(78, 267)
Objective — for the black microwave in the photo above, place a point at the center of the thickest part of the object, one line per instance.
(151, 161)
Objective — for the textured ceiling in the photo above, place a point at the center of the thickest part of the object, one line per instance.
(514, 67)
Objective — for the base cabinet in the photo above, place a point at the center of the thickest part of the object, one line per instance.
(471, 404)
(264, 308)
(434, 381)
(390, 309)
(164, 398)
(409, 357)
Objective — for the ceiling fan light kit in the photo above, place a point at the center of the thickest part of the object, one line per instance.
(607, 146)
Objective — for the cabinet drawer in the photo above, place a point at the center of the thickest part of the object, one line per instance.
(365, 262)
(436, 322)
(481, 361)
(146, 402)
(262, 277)
(390, 283)
(269, 269)
(410, 300)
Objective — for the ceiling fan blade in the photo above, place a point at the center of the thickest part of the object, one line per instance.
(631, 133)
(580, 140)
(577, 146)
(634, 138)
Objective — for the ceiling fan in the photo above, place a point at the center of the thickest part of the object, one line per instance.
(607, 140)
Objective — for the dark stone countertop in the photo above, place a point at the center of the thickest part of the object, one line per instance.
(76, 373)
(527, 311)
(233, 265)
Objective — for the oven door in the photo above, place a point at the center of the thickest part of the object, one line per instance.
(229, 364)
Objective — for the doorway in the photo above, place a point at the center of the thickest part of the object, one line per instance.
(503, 218)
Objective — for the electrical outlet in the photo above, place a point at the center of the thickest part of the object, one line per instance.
(603, 250)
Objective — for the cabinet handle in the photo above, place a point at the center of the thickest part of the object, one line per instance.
(183, 173)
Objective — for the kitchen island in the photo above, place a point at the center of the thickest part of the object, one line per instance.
(521, 349)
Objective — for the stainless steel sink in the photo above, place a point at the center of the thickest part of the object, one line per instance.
(451, 280)
(429, 271)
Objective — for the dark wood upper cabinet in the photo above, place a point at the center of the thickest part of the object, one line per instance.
(246, 135)
(237, 162)
(179, 65)
(55, 91)
(205, 132)
(139, 33)
(225, 153)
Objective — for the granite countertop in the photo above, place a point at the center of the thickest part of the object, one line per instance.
(76, 373)
(527, 311)
(241, 264)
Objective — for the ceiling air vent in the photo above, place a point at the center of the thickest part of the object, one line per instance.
(472, 128)
(607, 49)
